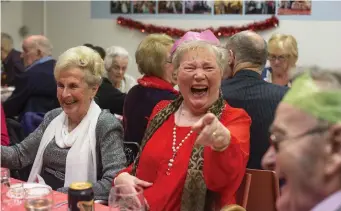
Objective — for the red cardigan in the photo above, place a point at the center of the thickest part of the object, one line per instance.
(223, 171)
(4, 133)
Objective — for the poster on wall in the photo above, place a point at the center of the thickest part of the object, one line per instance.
(120, 7)
(198, 7)
(228, 7)
(294, 7)
(144, 7)
(170, 7)
(260, 7)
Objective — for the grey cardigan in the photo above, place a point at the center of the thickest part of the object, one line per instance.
(110, 153)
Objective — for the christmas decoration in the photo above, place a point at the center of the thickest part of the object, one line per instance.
(223, 31)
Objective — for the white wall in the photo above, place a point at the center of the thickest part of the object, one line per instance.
(15, 14)
(69, 24)
(11, 20)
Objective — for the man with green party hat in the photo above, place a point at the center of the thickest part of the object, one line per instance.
(306, 136)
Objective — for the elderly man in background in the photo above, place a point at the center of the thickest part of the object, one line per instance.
(247, 55)
(11, 61)
(36, 87)
(306, 135)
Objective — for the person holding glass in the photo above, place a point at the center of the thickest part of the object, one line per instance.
(195, 149)
(283, 55)
(79, 141)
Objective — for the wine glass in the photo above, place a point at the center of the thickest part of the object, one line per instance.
(39, 199)
(126, 198)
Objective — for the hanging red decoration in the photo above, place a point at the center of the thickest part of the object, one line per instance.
(223, 31)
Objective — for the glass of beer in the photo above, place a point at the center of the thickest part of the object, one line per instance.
(126, 197)
(39, 199)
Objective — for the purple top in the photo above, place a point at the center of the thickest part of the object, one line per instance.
(331, 203)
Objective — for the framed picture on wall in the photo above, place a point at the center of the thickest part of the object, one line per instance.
(198, 7)
(170, 7)
(120, 7)
(294, 7)
(144, 7)
(260, 7)
(228, 7)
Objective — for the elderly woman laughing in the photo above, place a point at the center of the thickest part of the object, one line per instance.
(195, 149)
(78, 142)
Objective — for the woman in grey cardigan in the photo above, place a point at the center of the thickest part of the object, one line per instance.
(78, 142)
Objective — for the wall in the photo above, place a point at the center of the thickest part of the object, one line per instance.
(70, 24)
(11, 20)
(15, 14)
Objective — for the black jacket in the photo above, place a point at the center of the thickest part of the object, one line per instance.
(108, 97)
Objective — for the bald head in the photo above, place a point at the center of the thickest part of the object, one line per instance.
(248, 47)
(35, 47)
(40, 43)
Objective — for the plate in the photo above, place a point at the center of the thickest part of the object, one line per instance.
(27, 186)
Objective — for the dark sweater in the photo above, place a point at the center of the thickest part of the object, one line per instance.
(138, 106)
(108, 97)
(13, 66)
(259, 99)
(36, 91)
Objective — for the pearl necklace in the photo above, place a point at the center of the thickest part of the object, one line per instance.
(176, 148)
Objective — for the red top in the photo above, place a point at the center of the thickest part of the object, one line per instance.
(4, 133)
(223, 171)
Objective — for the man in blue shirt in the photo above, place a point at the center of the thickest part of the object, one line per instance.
(36, 87)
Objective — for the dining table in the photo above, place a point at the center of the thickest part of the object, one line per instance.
(60, 199)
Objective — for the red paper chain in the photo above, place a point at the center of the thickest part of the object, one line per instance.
(223, 31)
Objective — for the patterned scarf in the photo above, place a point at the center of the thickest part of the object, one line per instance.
(195, 194)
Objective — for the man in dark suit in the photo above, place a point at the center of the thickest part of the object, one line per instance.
(11, 61)
(36, 88)
(244, 88)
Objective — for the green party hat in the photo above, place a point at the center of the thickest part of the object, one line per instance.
(306, 95)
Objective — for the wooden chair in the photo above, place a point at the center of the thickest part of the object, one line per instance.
(242, 194)
(264, 190)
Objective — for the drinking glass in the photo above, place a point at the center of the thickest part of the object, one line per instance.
(13, 198)
(5, 177)
(126, 198)
(39, 199)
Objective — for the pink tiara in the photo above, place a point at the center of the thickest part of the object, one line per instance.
(206, 35)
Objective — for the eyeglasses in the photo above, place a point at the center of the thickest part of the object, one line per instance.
(276, 140)
(280, 58)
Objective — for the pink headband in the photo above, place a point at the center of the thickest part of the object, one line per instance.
(206, 35)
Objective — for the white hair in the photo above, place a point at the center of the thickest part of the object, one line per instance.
(219, 52)
(111, 53)
(84, 58)
(43, 44)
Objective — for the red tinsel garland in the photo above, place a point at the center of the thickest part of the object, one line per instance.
(223, 31)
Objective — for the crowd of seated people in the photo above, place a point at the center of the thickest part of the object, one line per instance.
(201, 114)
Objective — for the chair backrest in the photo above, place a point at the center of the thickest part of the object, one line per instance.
(264, 190)
(242, 194)
(130, 150)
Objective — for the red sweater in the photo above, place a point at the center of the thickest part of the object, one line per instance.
(223, 171)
